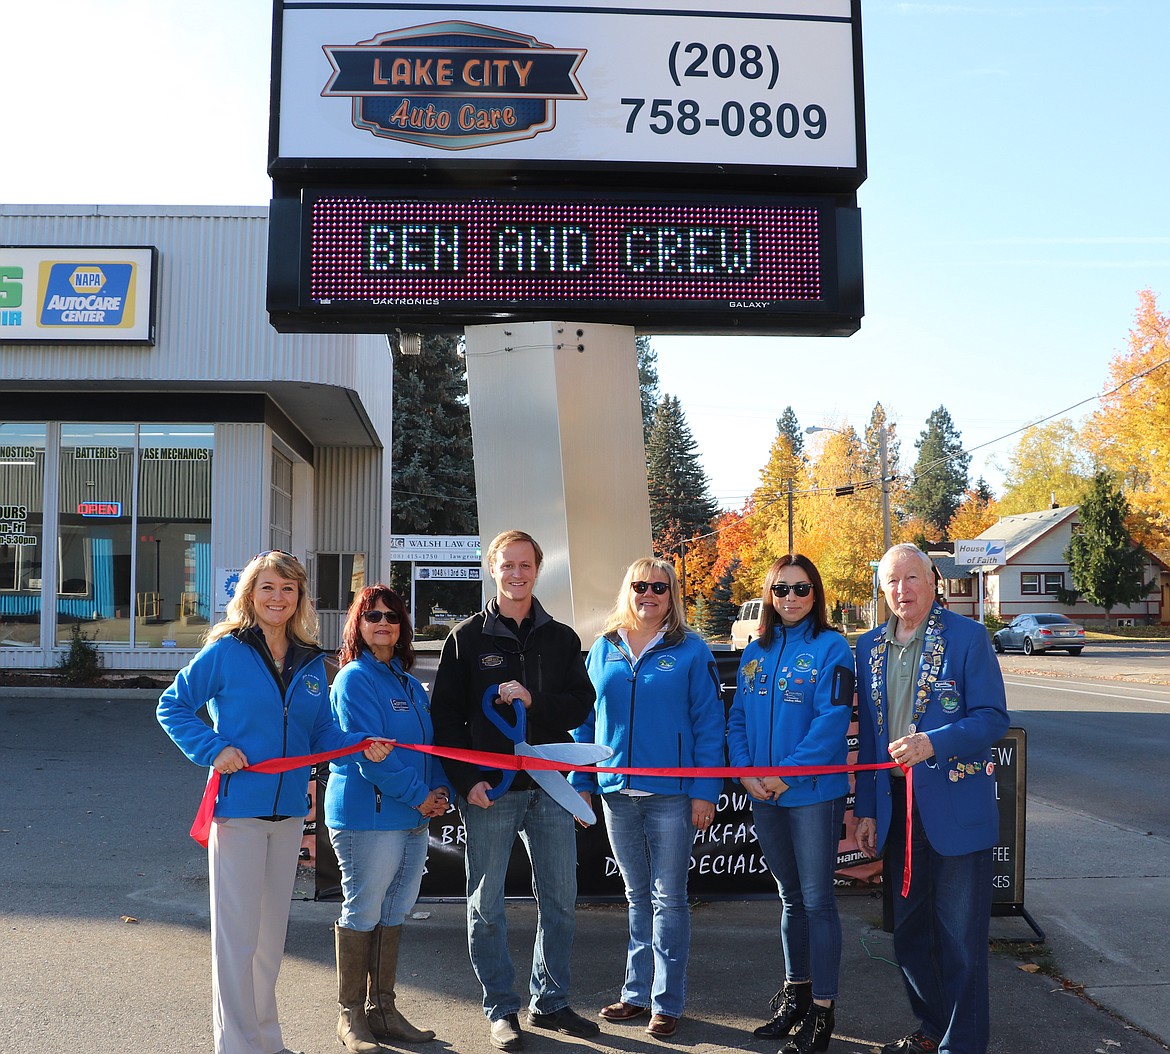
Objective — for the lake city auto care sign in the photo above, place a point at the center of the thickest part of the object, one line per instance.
(681, 82)
(74, 294)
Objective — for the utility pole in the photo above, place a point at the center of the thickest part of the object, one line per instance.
(791, 548)
(884, 469)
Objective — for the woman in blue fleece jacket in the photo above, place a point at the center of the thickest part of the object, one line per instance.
(793, 704)
(658, 706)
(262, 680)
(378, 816)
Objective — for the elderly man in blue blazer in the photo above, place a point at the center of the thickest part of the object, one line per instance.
(931, 697)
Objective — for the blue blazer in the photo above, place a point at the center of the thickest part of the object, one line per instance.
(962, 706)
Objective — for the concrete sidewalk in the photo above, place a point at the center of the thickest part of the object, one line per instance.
(96, 803)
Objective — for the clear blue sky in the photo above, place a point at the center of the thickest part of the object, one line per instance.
(1017, 197)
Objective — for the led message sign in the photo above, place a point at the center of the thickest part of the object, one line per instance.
(440, 263)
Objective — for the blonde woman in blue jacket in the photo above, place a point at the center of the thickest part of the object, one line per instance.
(793, 705)
(658, 706)
(378, 815)
(262, 679)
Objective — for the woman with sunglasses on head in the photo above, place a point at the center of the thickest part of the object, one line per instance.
(261, 677)
(378, 816)
(658, 706)
(793, 704)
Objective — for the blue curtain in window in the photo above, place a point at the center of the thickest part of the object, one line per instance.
(103, 577)
(203, 578)
(15, 604)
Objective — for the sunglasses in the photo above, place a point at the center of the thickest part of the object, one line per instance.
(275, 552)
(782, 589)
(658, 588)
(377, 616)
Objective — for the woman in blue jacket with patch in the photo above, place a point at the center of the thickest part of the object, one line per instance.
(262, 680)
(658, 706)
(793, 704)
(378, 815)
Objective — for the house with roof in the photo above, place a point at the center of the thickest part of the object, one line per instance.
(1036, 574)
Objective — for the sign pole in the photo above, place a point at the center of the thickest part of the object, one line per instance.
(413, 611)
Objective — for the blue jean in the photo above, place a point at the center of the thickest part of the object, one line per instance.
(651, 836)
(941, 933)
(550, 838)
(381, 872)
(800, 846)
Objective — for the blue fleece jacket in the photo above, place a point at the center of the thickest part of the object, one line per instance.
(663, 711)
(252, 711)
(384, 700)
(793, 704)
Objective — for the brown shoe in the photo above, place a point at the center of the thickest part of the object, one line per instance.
(621, 1011)
(662, 1025)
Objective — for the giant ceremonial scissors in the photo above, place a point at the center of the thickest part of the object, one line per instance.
(550, 781)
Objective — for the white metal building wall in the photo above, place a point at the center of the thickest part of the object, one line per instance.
(212, 261)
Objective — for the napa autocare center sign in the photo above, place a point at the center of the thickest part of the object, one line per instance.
(78, 294)
(690, 82)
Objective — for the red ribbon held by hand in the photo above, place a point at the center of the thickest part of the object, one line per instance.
(201, 828)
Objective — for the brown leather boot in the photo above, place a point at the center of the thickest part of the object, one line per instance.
(386, 1022)
(353, 957)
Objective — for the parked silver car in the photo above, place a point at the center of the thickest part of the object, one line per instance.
(1040, 633)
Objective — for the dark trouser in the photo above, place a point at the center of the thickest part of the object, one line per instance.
(941, 933)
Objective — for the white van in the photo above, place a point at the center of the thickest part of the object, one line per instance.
(746, 626)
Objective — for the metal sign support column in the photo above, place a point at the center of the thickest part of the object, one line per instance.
(556, 425)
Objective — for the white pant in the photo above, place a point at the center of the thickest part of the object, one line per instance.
(252, 866)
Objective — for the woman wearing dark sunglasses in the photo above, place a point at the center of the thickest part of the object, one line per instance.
(793, 704)
(658, 706)
(378, 816)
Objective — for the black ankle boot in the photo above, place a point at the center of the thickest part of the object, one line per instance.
(814, 1033)
(791, 1004)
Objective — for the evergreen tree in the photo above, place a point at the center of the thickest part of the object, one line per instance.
(681, 504)
(940, 473)
(720, 611)
(648, 384)
(788, 425)
(433, 473)
(1107, 568)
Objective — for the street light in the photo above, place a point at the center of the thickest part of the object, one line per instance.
(882, 468)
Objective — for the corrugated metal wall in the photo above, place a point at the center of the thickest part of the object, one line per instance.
(211, 261)
(353, 514)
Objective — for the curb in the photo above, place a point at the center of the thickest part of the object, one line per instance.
(112, 695)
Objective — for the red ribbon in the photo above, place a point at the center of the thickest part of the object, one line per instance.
(201, 828)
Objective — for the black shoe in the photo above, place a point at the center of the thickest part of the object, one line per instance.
(565, 1020)
(814, 1033)
(506, 1034)
(791, 1003)
(915, 1043)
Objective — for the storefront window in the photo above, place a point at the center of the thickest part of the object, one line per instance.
(173, 560)
(134, 549)
(93, 546)
(22, 479)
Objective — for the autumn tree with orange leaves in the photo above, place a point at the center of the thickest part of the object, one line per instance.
(1129, 433)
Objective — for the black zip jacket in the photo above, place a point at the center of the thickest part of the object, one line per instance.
(482, 651)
